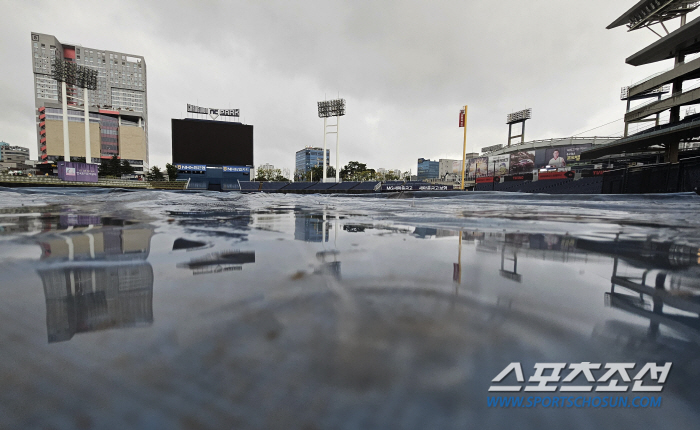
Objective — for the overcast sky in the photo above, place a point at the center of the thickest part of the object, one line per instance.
(404, 67)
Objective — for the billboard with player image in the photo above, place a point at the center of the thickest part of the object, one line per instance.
(477, 167)
(500, 164)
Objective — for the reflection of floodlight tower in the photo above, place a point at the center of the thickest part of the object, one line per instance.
(67, 72)
(515, 117)
(328, 109)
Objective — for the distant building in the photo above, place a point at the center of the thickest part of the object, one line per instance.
(394, 172)
(450, 169)
(118, 110)
(310, 157)
(14, 157)
(266, 166)
(427, 169)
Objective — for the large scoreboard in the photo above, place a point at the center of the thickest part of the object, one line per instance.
(200, 141)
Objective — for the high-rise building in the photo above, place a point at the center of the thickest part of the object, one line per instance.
(428, 169)
(13, 157)
(118, 111)
(310, 157)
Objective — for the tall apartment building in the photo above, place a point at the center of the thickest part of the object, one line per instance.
(118, 109)
(310, 157)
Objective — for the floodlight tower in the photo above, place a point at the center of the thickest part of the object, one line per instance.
(326, 109)
(67, 72)
(515, 117)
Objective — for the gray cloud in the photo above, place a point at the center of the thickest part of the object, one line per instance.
(405, 68)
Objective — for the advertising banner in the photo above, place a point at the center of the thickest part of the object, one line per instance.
(477, 167)
(564, 155)
(500, 164)
(192, 167)
(521, 177)
(456, 168)
(77, 172)
(417, 187)
(522, 162)
(240, 169)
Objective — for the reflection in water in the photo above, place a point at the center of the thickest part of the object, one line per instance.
(673, 300)
(96, 278)
(311, 227)
(232, 224)
(226, 261)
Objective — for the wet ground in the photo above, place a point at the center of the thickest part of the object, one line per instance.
(149, 309)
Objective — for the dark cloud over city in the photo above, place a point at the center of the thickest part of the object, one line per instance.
(404, 67)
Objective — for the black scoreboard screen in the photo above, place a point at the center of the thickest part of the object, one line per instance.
(199, 141)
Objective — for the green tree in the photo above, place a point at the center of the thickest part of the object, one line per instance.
(110, 167)
(126, 168)
(155, 174)
(171, 171)
(318, 172)
(351, 171)
(266, 174)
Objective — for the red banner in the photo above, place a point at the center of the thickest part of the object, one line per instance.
(461, 118)
(552, 175)
(484, 180)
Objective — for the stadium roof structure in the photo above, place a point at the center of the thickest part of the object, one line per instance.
(686, 130)
(685, 40)
(648, 12)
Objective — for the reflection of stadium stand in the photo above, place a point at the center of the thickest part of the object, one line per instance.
(97, 279)
(650, 255)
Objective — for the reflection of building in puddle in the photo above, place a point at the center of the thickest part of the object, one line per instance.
(311, 227)
(427, 232)
(218, 262)
(97, 279)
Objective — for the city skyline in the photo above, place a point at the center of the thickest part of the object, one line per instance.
(405, 72)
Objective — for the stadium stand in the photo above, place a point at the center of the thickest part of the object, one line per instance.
(319, 187)
(230, 186)
(250, 186)
(363, 187)
(198, 185)
(344, 186)
(296, 187)
(271, 187)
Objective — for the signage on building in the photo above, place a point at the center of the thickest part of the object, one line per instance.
(237, 169)
(212, 112)
(417, 187)
(77, 172)
(192, 167)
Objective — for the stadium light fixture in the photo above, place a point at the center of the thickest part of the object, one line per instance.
(327, 109)
(69, 73)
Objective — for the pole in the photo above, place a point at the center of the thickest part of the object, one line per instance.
(324, 149)
(88, 154)
(66, 145)
(337, 138)
(464, 149)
